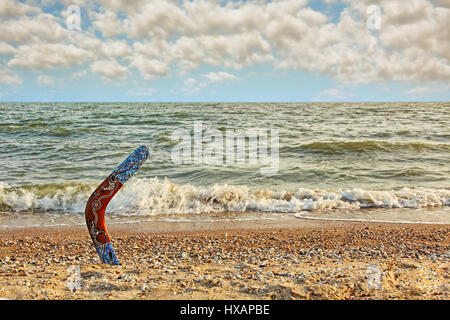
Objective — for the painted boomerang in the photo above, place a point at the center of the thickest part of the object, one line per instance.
(96, 205)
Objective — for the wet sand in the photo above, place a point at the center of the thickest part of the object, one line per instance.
(298, 259)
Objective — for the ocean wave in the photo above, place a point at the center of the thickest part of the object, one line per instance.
(369, 145)
(155, 196)
(45, 129)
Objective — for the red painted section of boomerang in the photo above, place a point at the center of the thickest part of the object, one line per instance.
(105, 197)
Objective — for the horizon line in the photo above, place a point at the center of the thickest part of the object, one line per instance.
(254, 101)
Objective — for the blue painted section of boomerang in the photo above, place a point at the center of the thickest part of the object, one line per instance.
(107, 254)
(131, 164)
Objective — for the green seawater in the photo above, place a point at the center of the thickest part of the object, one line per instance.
(56, 153)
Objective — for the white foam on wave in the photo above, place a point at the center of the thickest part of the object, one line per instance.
(67, 198)
(155, 196)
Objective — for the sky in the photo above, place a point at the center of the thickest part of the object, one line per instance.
(177, 50)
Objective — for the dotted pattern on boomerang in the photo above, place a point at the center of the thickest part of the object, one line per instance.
(99, 199)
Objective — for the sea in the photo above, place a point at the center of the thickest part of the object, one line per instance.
(382, 162)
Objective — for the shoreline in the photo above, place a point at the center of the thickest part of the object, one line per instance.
(192, 227)
(299, 259)
(147, 227)
(217, 223)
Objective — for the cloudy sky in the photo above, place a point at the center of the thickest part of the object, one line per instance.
(176, 50)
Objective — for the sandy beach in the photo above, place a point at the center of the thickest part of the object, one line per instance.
(269, 260)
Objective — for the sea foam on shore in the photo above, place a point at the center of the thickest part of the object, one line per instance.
(155, 196)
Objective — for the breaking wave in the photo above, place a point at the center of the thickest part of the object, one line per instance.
(155, 196)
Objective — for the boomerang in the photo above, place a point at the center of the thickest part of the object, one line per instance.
(99, 199)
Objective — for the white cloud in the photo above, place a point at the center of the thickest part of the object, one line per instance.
(413, 43)
(110, 69)
(142, 92)
(79, 74)
(6, 49)
(149, 68)
(333, 94)
(157, 37)
(48, 56)
(418, 91)
(44, 79)
(443, 3)
(235, 50)
(8, 78)
(11, 8)
(101, 48)
(424, 90)
(215, 77)
(160, 19)
(193, 86)
(108, 23)
(116, 48)
(42, 28)
(190, 82)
